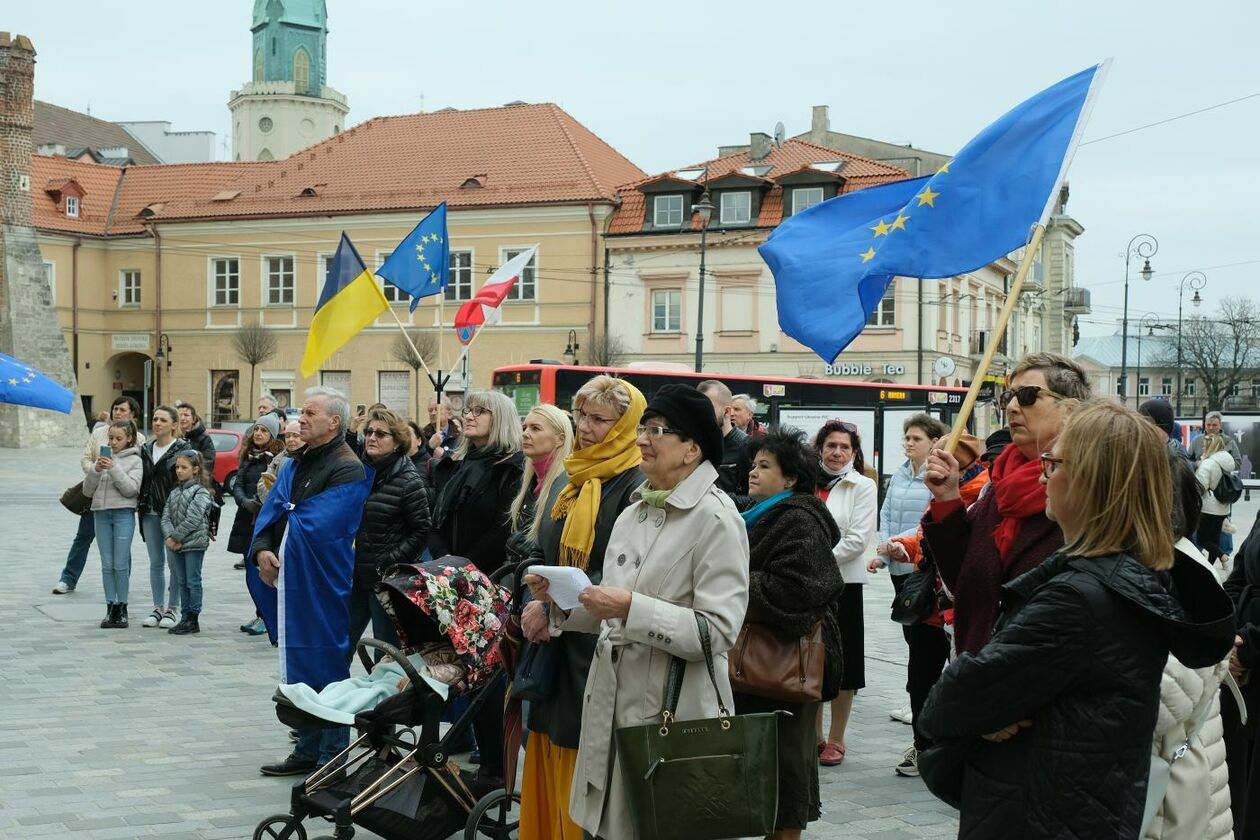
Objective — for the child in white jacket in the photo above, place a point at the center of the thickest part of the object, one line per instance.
(113, 481)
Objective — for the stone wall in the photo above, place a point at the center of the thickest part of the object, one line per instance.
(29, 330)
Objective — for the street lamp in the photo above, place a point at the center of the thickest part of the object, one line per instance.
(164, 341)
(705, 210)
(1143, 245)
(570, 350)
(1196, 280)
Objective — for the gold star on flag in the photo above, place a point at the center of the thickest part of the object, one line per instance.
(867, 255)
(881, 229)
(12, 381)
(927, 196)
(944, 167)
(428, 267)
(899, 223)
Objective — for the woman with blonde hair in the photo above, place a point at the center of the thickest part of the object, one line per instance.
(1215, 464)
(1046, 731)
(574, 521)
(546, 440)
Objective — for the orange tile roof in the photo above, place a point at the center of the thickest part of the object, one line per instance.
(99, 183)
(521, 155)
(858, 172)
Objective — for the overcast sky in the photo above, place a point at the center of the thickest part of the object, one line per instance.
(667, 82)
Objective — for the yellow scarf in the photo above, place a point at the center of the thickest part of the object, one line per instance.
(588, 468)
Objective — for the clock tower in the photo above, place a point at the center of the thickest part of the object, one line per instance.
(286, 106)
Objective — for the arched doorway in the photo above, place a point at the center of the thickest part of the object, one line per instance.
(126, 371)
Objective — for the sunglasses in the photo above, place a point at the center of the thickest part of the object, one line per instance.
(1026, 395)
(1049, 464)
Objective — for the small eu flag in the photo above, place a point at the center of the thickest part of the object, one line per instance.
(21, 384)
(832, 262)
(421, 263)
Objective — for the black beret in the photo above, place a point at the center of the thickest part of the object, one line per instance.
(690, 412)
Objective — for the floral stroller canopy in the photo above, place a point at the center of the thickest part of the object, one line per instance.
(444, 600)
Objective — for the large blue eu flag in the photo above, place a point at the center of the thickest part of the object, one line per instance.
(421, 263)
(21, 384)
(832, 262)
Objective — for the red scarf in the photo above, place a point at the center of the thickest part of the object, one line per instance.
(1020, 494)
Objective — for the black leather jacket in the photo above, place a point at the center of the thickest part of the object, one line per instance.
(161, 478)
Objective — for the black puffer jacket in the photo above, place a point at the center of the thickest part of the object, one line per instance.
(395, 522)
(161, 479)
(201, 441)
(1079, 651)
(245, 492)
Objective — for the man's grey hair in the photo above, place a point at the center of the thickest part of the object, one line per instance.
(334, 401)
(747, 400)
(1214, 415)
(266, 397)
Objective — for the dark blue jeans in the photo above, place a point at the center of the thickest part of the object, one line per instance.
(322, 744)
(76, 559)
(365, 607)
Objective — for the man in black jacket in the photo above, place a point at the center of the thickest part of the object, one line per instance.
(736, 462)
(327, 462)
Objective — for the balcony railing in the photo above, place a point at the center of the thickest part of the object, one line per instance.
(1076, 301)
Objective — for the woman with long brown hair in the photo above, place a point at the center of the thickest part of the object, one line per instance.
(1050, 724)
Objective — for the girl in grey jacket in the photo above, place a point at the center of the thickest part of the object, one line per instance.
(186, 526)
(113, 481)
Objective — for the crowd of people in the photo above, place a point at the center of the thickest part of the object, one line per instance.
(1065, 624)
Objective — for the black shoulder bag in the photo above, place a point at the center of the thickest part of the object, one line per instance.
(917, 598)
(701, 779)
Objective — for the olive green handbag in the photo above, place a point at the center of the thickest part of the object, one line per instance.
(701, 779)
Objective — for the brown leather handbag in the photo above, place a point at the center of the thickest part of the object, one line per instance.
(767, 663)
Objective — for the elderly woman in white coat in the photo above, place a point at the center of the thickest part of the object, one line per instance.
(852, 500)
(679, 549)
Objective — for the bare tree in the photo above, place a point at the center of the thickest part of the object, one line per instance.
(255, 344)
(607, 351)
(1218, 350)
(402, 351)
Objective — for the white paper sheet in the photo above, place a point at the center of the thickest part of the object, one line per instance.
(565, 583)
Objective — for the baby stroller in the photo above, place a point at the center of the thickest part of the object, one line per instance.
(396, 778)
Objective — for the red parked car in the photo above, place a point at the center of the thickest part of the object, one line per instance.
(227, 447)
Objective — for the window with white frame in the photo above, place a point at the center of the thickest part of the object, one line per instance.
(72, 207)
(885, 314)
(324, 262)
(1255, 389)
(666, 310)
(526, 288)
(279, 281)
(804, 198)
(1190, 387)
(50, 279)
(736, 208)
(1166, 386)
(129, 288)
(227, 281)
(460, 285)
(667, 211)
(392, 293)
(1144, 386)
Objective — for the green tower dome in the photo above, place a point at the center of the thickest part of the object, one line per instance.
(290, 43)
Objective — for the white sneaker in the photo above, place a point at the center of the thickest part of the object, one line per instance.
(154, 618)
(903, 714)
(61, 588)
(168, 620)
(909, 765)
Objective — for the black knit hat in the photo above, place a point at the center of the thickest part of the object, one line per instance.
(690, 412)
(1160, 413)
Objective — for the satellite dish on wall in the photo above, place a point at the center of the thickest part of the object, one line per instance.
(778, 134)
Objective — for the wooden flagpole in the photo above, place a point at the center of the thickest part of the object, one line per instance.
(999, 330)
(410, 343)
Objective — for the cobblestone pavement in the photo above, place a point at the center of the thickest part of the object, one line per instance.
(137, 733)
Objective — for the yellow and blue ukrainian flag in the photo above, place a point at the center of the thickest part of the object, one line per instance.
(351, 300)
(832, 262)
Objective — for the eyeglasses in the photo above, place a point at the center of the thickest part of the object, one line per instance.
(655, 432)
(475, 411)
(1027, 395)
(580, 415)
(377, 433)
(1049, 464)
(296, 434)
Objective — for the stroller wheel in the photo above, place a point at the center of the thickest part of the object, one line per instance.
(280, 827)
(496, 816)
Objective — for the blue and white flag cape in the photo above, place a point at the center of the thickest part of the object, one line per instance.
(308, 612)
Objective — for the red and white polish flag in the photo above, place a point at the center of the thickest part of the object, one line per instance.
(483, 308)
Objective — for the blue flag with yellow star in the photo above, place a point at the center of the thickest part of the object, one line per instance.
(832, 262)
(21, 384)
(421, 263)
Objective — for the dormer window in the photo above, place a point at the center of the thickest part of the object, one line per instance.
(667, 211)
(736, 208)
(72, 207)
(804, 198)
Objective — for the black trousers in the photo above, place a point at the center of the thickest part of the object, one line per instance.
(929, 651)
(1209, 534)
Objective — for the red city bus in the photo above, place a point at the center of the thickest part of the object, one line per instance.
(877, 408)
